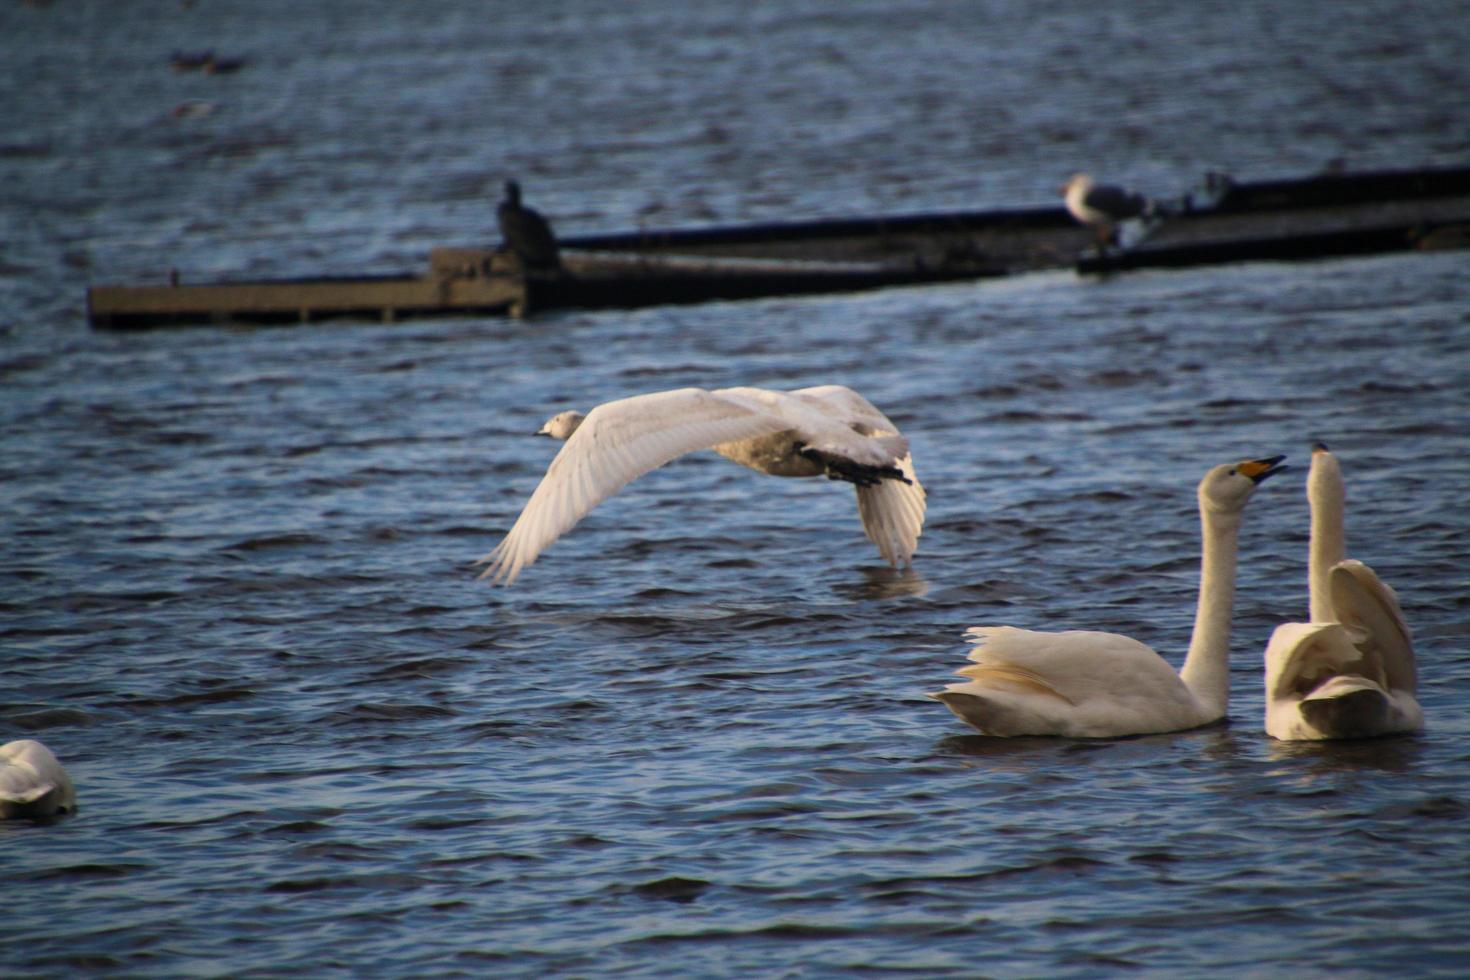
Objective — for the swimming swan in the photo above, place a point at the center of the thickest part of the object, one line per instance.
(1350, 672)
(1086, 684)
(32, 782)
(827, 431)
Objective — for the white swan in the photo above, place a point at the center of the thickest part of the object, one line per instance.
(825, 431)
(1350, 672)
(32, 782)
(1086, 684)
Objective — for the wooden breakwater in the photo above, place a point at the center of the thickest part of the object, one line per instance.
(1313, 217)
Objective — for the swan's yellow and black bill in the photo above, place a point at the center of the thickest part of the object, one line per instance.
(1259, 469)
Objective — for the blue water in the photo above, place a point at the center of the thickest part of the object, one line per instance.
(237, 590)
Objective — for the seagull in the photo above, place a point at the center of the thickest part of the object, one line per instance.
(1102, 206)
(32, 782)
(525, 232)
(829, 431)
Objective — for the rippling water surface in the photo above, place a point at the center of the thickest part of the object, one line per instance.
(237, 593)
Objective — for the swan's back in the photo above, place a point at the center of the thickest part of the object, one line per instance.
(1322, 683)
(1078, 684)
(32, 783)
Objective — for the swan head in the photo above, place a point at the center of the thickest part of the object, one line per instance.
(1227, 487)
(1324, 479)
(561, 425)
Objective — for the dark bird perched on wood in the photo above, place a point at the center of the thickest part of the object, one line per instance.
(1102, 206)
(524, 232)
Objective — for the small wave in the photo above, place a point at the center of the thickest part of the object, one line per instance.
(90, 871)
(377, 712)
(673, 888)
(266, 542)
(50, 718)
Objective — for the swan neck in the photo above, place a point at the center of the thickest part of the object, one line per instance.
(1206, 670)
(1328, 542)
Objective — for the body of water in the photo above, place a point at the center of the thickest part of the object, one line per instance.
(237, 590)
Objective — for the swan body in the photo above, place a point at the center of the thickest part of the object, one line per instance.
(827, 431)
(32, 782)
(1087, 684)
(1350, 672)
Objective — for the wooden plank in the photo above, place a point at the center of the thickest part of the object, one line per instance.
(122, 307)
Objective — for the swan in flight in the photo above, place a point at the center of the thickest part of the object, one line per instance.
(1350, 672)
(827, 431)
(32, 782)
(1086, 684)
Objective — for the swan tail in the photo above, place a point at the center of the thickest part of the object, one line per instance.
(1347, 707)
(989, 715)
(1006, 700)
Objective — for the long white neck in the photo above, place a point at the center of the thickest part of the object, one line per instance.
(1328, 546)
(1206, 670)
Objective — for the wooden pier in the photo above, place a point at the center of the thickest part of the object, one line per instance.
(1272, 220)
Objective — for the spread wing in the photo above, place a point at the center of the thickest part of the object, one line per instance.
(892, 512)
(1301, 657)
(618, 442)
(1370, 611)
(893, 515)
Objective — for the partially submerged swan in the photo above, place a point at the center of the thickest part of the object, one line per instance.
(1350, 672)
(1086, 684)
(32, 782)
(827, 431)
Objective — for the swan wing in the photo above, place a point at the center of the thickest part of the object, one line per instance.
(1322, 683)
(848, 407)
(618, 442)
(840, 422)
(1370, 611)
(892, 513)
(1301, 657)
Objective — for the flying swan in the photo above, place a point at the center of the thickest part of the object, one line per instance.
(1086, 684)
(827, 431)
(32, 782)
(1350, 672)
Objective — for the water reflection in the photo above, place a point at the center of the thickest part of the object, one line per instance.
(1391, 754)
(884, 583)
